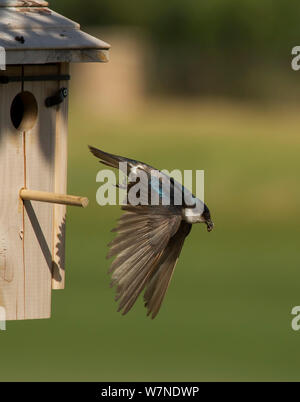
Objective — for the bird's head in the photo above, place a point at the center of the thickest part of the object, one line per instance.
(207, 219)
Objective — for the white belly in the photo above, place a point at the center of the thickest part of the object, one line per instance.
(191, 215)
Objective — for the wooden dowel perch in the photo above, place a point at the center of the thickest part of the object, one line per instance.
(54, 198)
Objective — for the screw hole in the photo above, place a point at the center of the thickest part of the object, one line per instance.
(20, 39)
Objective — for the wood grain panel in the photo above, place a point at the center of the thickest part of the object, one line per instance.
(60, 186)
(38, 226)
(12, 288)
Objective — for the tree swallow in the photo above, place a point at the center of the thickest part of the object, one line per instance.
(150, 237)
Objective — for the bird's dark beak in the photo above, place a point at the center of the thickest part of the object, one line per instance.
(210, 225)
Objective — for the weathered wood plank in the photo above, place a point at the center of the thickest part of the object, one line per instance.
(56, 56)
(38, 227)
(11, 207)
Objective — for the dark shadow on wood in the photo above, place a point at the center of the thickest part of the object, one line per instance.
(60, 252)
(7, 94)
(46, 121)
(39, 233)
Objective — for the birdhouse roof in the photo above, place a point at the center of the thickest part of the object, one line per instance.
(31, 33)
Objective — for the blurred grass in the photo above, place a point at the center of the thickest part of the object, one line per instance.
(227, 312)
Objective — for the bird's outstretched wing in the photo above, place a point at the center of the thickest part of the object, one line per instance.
(146, 248)
(159, 280)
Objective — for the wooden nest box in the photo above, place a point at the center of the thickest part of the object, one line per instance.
(38, 45)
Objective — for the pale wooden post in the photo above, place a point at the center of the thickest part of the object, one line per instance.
(60, 186)
(39, 46)
(11, 207)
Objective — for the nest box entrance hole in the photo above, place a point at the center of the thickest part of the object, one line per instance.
(24, 111)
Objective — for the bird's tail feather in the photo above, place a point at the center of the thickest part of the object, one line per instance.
(106, 158)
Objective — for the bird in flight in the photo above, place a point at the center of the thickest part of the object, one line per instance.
(150, 237)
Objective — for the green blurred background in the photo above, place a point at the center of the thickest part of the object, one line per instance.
(214, 90)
